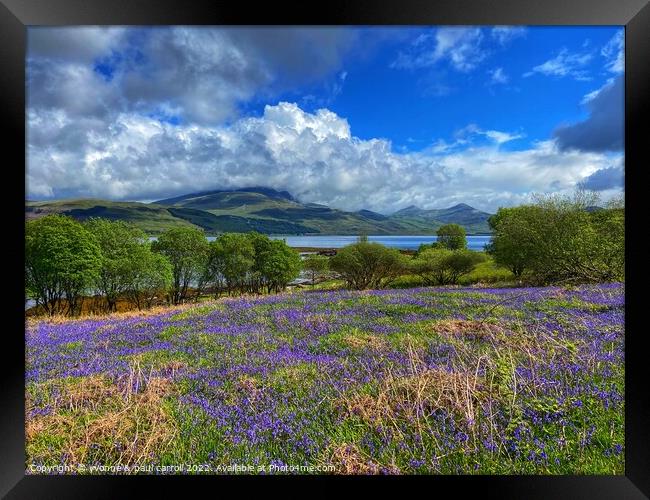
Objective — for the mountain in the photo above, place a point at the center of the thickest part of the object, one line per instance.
(225, 199)
(368, 214)
(409, 211)
(265, 210)
(473, 220)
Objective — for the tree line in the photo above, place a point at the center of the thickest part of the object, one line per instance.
(66, 260)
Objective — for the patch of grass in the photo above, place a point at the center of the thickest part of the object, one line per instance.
(407, 281)
(72, 347)
(102, 422)
(197, 311)
(350, 339)
(294, 378)
(171, 332)
(487, 272)
(332, 284)
(159, 359)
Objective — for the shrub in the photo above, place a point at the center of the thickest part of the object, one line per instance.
(367, 265)
(487, 272)
(559, 240)
(441, 266)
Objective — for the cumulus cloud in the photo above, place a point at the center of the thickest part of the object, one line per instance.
(73, 44)
(605, 179)
(315, 156)
(565, 64)
(603, 130)
(201, 74)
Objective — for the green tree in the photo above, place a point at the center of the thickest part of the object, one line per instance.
(609, 243)
(367, 265)
(558, 240)
(62, 261)
(150, 279)
(120, 243)
(452, 237)
(441, 266)
(231, 258)
(262, 247)
(187, 251)
(279, 264)
(513, 243)
(315, 265)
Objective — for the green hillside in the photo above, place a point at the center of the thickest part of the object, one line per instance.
(151, 218)
(264, 210)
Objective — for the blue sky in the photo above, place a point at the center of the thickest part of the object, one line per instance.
(416, 106)
(376, 118)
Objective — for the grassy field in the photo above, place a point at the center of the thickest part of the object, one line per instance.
(419, 381)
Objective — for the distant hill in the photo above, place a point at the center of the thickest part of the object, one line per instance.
(473, 220)
(368, 214)
(265, 210)
(227, 198)
(150, 218)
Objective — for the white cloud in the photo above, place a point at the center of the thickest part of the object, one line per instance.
(565, 64)
(73, 43)
(459, 46)
(505, 34)
(467, 135)
(203, 74)
(314, 156)
(502, 137)
(498, 76)
(590, 96)
(614, 53)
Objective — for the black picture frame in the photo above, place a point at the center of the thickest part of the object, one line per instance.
(16, 15)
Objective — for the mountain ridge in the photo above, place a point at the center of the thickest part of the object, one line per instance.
(265, 210)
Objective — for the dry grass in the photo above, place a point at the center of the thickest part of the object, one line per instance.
(349, 459)
(365, 341)
(407, 400)
(415, 396)
(93, 415)
(466, 329)
(249, 387)
(120, 315)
